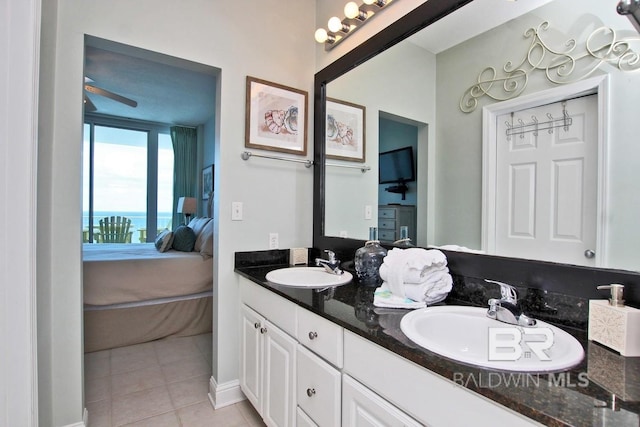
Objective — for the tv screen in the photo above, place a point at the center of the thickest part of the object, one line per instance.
(396, 166)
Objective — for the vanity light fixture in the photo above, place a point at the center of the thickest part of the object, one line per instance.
(631, 8)
(355, 16)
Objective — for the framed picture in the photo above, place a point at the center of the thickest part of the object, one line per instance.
(345, 133)
(276, 117)
(207, 182)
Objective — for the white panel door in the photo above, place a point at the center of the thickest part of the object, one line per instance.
(547, 183)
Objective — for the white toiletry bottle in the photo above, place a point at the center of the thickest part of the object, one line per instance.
(613, 324)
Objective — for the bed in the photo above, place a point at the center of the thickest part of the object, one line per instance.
(133, 293)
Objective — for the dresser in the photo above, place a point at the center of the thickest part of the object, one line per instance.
(392, 217)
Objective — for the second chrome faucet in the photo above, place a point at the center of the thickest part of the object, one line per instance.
(507, 309)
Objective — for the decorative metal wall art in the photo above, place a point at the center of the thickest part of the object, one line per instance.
(560, 66)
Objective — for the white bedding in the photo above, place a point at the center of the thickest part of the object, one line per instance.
(128, 272)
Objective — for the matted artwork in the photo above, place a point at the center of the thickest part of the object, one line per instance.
(345, 133)
(207, 182)
(276, 117)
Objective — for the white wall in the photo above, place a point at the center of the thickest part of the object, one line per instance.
(459, 137)
(277, 196)
(19, 45)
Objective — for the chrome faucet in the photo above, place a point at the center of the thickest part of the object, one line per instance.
(507, 309)
(332, 265)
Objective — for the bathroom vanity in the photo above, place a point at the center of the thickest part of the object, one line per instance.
(328, 357)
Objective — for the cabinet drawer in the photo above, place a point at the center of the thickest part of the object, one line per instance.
(278, 310)
(320, 336)
(388, 235)
(386, 223)
(318, 389)
(386, 213)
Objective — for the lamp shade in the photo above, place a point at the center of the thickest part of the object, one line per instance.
(186, 205)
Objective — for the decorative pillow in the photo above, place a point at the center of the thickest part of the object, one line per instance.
(198, 223)
(206, 241)
(200, 237)
(183, 239)
(164, 240)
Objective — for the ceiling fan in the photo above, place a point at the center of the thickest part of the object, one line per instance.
(90, 88)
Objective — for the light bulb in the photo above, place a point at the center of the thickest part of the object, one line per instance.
(321, 35)
(335, 24)
(351, 10)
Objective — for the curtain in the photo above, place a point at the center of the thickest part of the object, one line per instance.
(185, 172)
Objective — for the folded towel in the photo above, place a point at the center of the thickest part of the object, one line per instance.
(413, 275)
(383, 297)
(413, 262)
(430, 291)
(458, 249)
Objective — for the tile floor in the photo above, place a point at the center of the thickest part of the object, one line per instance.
(158, 384)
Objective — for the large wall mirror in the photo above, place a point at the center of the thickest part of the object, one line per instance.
(412, 79)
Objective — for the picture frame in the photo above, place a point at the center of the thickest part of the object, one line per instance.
(345, 131)
(275, 117)
(207, 182)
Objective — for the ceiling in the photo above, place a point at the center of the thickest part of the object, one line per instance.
(167, 89)
(471, 20)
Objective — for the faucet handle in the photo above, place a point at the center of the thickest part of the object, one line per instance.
(331, 255)
(508, 292)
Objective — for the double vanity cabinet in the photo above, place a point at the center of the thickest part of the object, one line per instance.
(298, 368)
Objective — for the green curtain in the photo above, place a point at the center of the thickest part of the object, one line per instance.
(185, 171)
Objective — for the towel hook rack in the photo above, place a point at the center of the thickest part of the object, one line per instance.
(245, 155)
(363, 168)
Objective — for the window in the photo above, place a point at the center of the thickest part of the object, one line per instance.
(127, 171)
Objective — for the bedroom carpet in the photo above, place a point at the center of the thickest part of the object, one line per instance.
(158, 384)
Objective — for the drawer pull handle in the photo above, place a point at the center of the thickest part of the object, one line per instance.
(263, 330)
(256, 325)
(311, 392)
(313, 335)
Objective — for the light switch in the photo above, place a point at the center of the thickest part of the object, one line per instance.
(236, 211)
(368, 212)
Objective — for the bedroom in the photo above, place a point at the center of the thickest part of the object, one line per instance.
(147, 135)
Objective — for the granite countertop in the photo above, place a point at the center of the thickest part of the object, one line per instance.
(604, 389)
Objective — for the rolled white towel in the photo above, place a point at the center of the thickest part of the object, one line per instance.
(430, 291)
(411, 265)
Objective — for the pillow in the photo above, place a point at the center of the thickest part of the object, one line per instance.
(200, 237)
(164, 240)
(206, 241)
(183, 239)
(198, 223)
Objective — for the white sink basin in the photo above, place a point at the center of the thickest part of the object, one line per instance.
(467, 335)
(307, 277)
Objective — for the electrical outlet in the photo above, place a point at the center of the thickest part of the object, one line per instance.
(273, 241)
(236, 211)
(368, 212)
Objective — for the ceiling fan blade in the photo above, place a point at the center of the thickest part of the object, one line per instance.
(88, 105)
(111, 95)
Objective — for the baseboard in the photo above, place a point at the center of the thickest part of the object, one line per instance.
(84, 422)
(225, 394)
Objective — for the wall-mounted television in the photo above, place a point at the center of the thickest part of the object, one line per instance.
(396, 166)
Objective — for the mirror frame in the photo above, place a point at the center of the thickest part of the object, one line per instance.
(411, 23)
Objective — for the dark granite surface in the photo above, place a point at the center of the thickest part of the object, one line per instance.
(603, 390)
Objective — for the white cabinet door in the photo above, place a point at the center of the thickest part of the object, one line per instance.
(318, 388)
(251, 356)
(267, 363)
(279, 406)
(363, 408)
(303, 420)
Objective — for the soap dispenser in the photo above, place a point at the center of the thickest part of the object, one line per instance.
(613, 324)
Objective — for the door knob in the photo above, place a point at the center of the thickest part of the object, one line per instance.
(313, 335)
(589, 253)
(263, 330)
(311, 392)
(256, 325)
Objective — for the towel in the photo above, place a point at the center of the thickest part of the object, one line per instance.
(431, 291)
(402, 266)
(383, 297)
(458, 249)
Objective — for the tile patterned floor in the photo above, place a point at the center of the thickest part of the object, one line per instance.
(158, 384)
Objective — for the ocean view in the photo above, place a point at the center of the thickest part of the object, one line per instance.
(138, 219)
